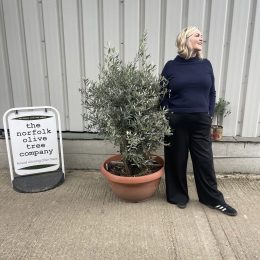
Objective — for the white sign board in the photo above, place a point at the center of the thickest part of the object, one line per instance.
(34, 141)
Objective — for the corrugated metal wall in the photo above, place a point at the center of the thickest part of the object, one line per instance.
(48, 46)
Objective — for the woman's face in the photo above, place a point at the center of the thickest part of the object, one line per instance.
(195, 41)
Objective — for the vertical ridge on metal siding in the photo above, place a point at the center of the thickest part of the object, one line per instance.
(5, 90)
(227, 47)
(184, 13)
(236, 63)
(53, 53)
(82, 52)
(252, 105)
(81, 39)
(44, 54)
(206, 26)
(72, 52)
(65, 97)
(101, 31)
(162, 34)
(24, 52)
(141, 17)
(122, 30)
(91, 42)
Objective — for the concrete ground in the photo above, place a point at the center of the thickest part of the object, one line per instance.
(82, 219)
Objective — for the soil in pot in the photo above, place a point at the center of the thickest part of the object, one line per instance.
(117, 168)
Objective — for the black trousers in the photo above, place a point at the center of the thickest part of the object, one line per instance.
(191, 133)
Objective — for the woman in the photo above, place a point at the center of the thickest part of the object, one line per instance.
(190, 101)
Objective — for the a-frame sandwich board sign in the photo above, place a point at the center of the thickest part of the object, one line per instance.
(35, 153)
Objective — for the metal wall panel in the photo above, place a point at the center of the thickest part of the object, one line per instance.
(152, 27)
(131, 29)
(56, 84)
(196, 13)
(17, 56)
(236, 61)
(251, 119)
(35, 56)
(172, 27)
(73, 62)
(91, 38)
(111, 23)
(216, 50)
(48, 46)
(5, 90)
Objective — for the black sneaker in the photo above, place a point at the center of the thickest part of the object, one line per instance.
(181, 205)
(225, 209)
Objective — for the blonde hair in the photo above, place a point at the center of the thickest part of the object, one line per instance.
(182, 43)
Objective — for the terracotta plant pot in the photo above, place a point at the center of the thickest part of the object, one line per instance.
(133, 189)
(217, 132)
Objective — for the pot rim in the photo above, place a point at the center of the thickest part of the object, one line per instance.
(131, 179)
(216, 126)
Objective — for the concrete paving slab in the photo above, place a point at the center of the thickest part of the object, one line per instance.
(82, 219)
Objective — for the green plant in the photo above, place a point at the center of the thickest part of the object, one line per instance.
(221, 110)
(123, 104)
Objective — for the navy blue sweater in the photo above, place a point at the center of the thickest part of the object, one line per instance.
(190, 84)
